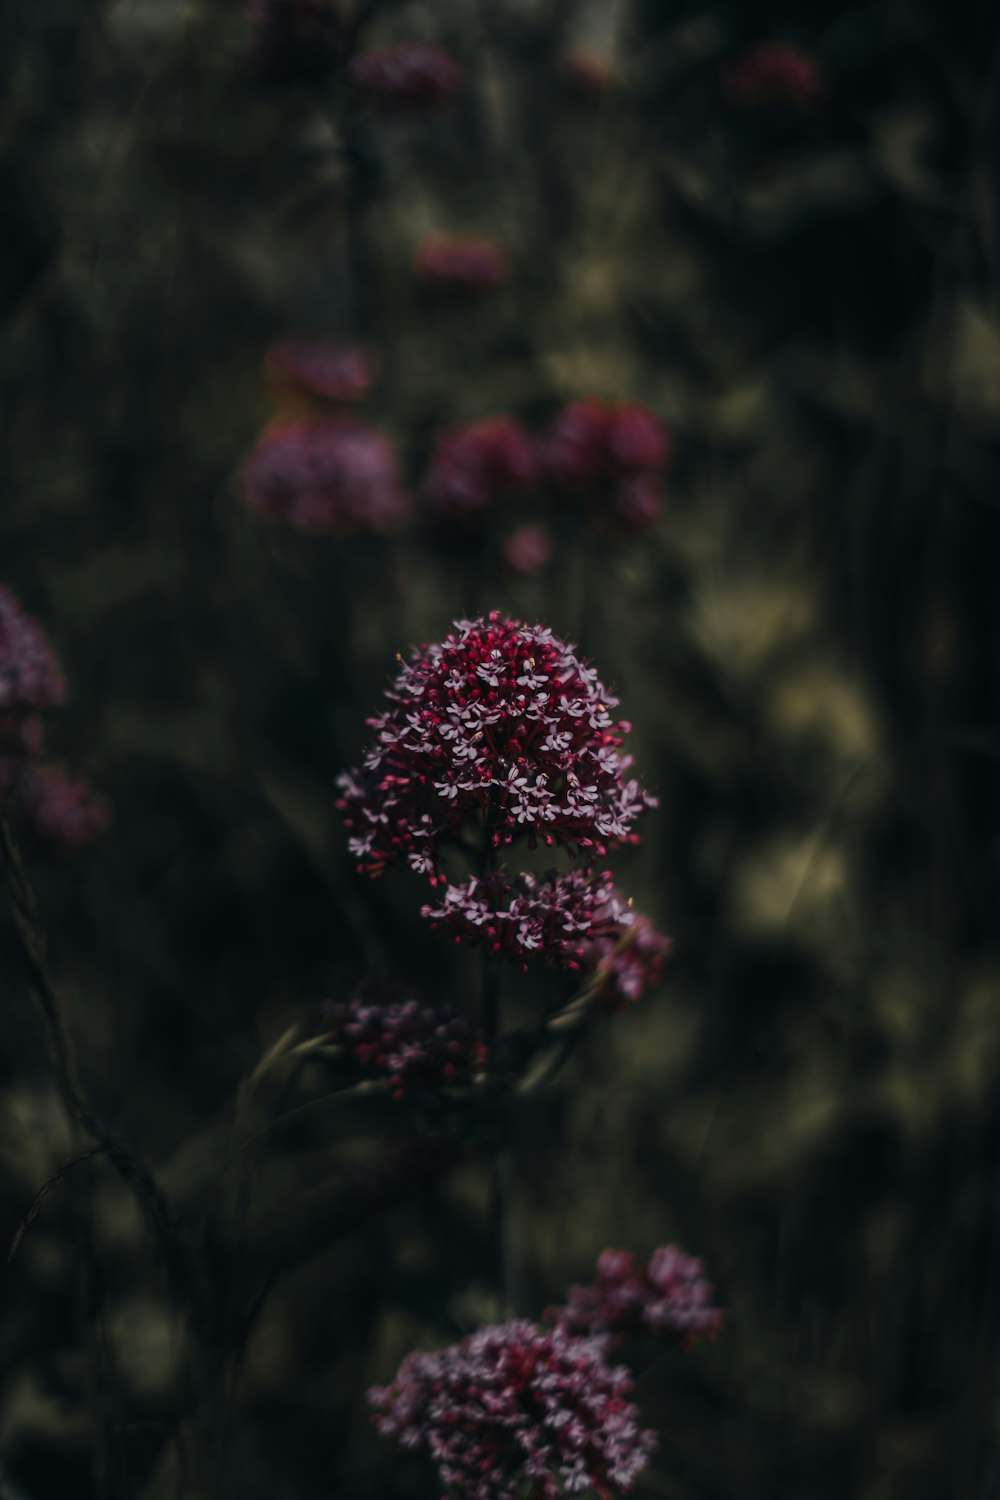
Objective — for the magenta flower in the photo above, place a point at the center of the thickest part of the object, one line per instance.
(668, 1295)
(774, 74)
(295, 41)
(325, 475)
(576, 921)
(63, 808)
(499, 725)
(411, 76)
(528, 549)
(30, 675)
(475, 465)
(634, 506)
(463, 262)
(338, 373)
(592, 442)
(414, 1045)
(515, 1410)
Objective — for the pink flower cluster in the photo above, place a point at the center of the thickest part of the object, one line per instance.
(612, 456)
(774, 74)
(500, 725)
(471, 263)
(415, 1045)
(667, 1295)
(412, 76)
(321, 369)
(325, 474)
(473, 466)
(62, 807)
(295, 41)
(576, 921)
(515, 1410)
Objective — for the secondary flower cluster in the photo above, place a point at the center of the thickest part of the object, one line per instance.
(415, 1045)
(325, 474)
(576, 920)
(62, 807)
(412, 76)
(500, 725)
(471, 263)
(473, 466)
(321, 369)
(774, 74)
(515, 1404)
(667, 1295)
(609, 457)
(612, 456)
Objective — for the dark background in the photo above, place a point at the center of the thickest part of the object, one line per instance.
(807, 644)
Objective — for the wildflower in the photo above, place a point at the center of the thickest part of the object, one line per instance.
(575, 920)
(634, 506)
(668, 1295)
(414, 1044)
(412, 76)
(30, 675)
(295, 41)
(591, 442)
(475, 465)
(63, 808)
(514, 1410)
(774, 74)
(337, 373)
(472, 263)
(501, 724)
(325, 474)
(528, 549)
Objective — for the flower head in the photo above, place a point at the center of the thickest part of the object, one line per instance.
(30, 675)
(325, 474)
(500, 724)
(576, 921)
(667, 1295)
(326, 371)
(591, 442)
(477, 464)
(514, 1409)
(295, 41)
(463, 262)
(412, 76)
(63, 808)
(414, 1044)
(774, 74)
(528, 549)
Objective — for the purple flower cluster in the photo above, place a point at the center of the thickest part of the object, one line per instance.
(323, 474)
(321, 369)
(516, 1410)
(472, 263)
(774, 74)
(415, 1045)
(501, 725)
(62, 807)
(667, 1295)
(613, 457)
(30, 676)
(412, 76)
(475, 465)
(528, 549)
(577, 921)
